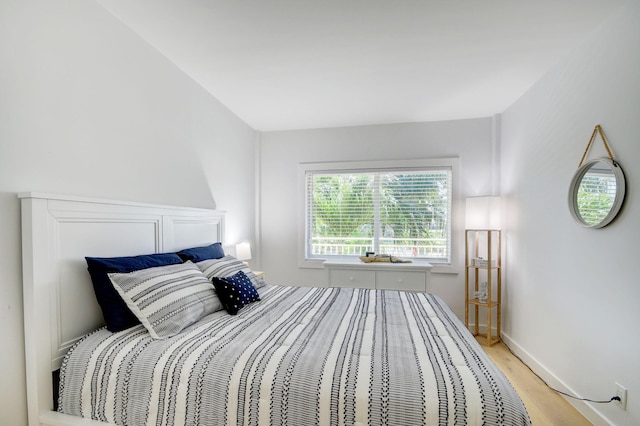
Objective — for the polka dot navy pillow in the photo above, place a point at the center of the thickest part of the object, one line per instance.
(235, 291)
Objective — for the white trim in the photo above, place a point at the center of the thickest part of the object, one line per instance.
(496, 139)
(105, 201)
(257, 141)
(346, 166)
(592, 414)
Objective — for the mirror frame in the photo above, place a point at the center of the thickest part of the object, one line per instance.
(617, 202)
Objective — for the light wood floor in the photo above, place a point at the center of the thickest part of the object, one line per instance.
(545, 407)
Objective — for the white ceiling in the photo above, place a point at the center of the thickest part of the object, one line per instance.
(291, 64)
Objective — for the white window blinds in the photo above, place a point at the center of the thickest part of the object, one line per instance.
(402, 212)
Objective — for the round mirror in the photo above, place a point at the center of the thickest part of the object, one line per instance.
(597, 192)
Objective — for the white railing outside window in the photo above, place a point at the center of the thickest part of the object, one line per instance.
(424, 248)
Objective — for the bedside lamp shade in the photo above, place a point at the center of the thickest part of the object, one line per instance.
(482, 213)
(243, 251)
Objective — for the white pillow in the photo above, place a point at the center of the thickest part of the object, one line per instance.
(166, 299)
(227, 266)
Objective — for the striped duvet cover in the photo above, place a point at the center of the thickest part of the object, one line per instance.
(300, 356)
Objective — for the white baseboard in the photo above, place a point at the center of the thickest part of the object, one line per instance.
(593, 415)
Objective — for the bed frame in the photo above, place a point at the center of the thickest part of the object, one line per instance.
(59, 302)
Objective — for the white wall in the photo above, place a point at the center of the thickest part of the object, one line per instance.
(281, 152)
(88, 108)
(572, 293)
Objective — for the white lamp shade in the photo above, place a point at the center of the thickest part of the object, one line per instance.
(482, 213)
(243, 251)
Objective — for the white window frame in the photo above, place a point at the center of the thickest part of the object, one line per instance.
(350, 166)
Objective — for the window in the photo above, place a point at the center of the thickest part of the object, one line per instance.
(402, 208)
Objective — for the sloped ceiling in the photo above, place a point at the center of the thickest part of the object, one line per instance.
(292, 64)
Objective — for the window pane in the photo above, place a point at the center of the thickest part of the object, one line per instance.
(341, 214)
(402, 213)
(415, 214)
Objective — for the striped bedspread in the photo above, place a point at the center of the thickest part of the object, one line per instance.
(300, 356)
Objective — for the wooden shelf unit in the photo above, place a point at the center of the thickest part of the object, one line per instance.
(485, 244)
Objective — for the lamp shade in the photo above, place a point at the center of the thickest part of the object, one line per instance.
(243, 251)
(482, 213)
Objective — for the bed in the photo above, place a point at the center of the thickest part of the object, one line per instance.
(297, 356)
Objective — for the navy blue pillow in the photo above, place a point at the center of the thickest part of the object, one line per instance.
(114, 310)
(235, 291)
(198, 254)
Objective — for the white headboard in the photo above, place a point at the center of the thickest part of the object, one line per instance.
(59, 301)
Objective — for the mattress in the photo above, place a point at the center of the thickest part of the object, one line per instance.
(300, 356)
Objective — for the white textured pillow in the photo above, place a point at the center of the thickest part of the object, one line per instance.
(166, 299)
(227, 266)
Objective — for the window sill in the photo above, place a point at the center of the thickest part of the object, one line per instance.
(319, 264)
